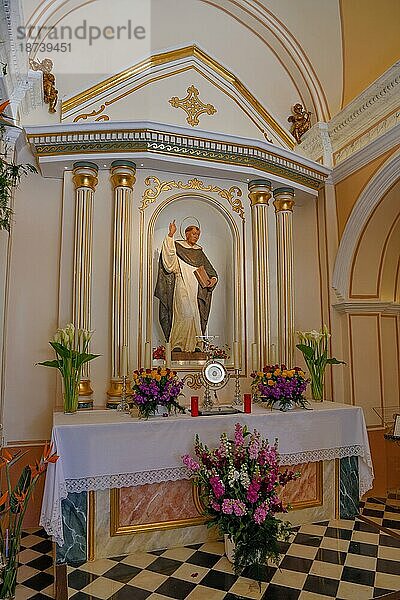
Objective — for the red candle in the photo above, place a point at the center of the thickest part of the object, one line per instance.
(247, 403)
(194, 406)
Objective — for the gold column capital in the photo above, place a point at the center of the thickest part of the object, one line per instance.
(284, 199)
(123, 174)
(85, 175)
(259, 191)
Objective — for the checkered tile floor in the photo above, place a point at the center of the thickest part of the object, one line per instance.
(35, 574)
(340, 559)
(385, 512)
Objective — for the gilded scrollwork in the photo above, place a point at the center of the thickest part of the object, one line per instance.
(157, 187)
(193, 381)
(94, 113)
(192, 105)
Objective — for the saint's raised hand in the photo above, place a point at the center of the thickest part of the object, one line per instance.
(172, 229)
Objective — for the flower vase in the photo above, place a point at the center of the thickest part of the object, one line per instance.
(8, 573)
(317, 387)
(229, 548)
(71, 397)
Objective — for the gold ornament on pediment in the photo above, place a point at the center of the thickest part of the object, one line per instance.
(232, 195)
(192, 105)
(94, 112)
(50, 93)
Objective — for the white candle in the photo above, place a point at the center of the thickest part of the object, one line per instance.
(236, 355)
(147, 355)
(124, 361)
(168, 355)
(254, 356)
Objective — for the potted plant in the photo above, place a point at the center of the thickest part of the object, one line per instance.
(239, 483)
(314, 347)
(280, 387)
(13, 504)
(71, 347)
(155, 391)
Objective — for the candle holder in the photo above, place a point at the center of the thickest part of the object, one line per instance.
(123, 406)
(237, 397)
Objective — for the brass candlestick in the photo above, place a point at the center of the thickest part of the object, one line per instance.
(237, 397)
(123, 406)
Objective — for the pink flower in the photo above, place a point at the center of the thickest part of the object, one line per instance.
(227, 506)
(239, 508)
(239, 438)
(260, 514)
(252, 492)
(191, 464)
(217, 486)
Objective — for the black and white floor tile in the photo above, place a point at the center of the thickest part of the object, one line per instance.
(342, 559)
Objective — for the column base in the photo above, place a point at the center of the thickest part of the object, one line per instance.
(114, 393)
(85, 400)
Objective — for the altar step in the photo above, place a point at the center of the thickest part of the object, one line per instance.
(342, 559)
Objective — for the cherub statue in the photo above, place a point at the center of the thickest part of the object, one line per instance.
(50, 92)
(301, 121)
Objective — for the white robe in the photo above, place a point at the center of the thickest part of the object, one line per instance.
(186, 325)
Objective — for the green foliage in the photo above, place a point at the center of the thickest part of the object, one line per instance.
(10, 178)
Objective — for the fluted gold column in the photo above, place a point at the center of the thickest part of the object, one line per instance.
(85, 181)
(284, 202)
(122, 180)
(259, 194)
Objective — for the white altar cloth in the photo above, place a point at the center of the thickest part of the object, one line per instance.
(104, 449)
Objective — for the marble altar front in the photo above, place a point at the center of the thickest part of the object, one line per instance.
(120, 485)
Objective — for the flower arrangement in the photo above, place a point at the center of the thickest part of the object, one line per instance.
(71, 348)
(219, 353)
(13, 505)
(239, 483)
(159, 353)
(156, 387)
(314, 347)
(278, 384)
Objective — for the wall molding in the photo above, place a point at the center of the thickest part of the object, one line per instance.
(365, 128)
(367, 307)
(366, 203)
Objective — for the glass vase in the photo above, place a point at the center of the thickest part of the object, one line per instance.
(8, 574)
(317, 387)
(71, 397)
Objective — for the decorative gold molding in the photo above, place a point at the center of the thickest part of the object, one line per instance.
(91, 525)
(193, 381)
(94, 112)
(116, 529)
(151, 194)
(192, 105)
(169, 57)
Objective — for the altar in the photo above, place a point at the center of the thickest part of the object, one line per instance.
(105, 455)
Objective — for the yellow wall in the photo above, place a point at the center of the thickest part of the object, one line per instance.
(370, 32)
(348, 190)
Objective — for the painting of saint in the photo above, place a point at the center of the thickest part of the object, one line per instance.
(185, 283)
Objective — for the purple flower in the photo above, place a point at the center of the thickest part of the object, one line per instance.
(217, 486)
(190, 463)
(227, 506)
(252, 492)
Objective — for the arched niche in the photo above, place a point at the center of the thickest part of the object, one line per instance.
(222, 243)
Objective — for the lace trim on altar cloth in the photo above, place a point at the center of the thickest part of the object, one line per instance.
(53, 524)
(105, 482)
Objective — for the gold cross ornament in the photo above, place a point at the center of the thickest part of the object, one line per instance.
(192, 106)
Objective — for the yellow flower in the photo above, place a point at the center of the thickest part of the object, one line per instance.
(277, 372)
(270, 382)
(302, 374)
(268, 375)
(163, 372)
(259, 374)
(158, 377)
